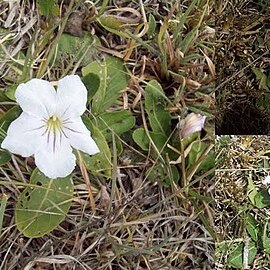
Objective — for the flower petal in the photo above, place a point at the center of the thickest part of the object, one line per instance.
(55, 158)
(79, 136)
(192, 123)
(266, 181)
(71, 97)
(36, 97)
(24, 135)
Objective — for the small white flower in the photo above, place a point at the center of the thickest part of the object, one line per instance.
(50, 125)
(266, 181)
(192, 123)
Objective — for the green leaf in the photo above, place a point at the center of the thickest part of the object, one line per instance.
(263, 102)
(164, 174)
(4, 97)
(159, 139)
(252, 191)
(5, 157)
(110, 21)
(208, 163)
(189, 58)
(113, 78)
(99, 164)
(189, 139)
(155, 104)
(140, 137)
(252, 226)
(118, 122)
(197, 149)
(261, 78)
(266, 244)
(151, 26)
(221, 248)
(262, 199)
(195, 195)
(41, 208)
(11, 89)
(72, 48)
(3, 204)
(119, 146)
(48, 8)
(235, 259)
(189, 40)
(91, 82)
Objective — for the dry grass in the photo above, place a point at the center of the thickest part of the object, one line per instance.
(241, 160)
(242, 44)
(129, 222)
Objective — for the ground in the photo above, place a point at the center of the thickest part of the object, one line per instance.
(153, 198)
(242, 63)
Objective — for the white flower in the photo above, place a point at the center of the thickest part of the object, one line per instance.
(266, 181)
(192, 123)
(50, 125)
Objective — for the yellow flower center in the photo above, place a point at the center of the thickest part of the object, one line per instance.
(54, 124)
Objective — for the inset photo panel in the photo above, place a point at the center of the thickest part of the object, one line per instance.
(242, 216)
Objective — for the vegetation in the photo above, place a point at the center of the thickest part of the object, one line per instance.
(242, 62)
(242, 202)
(146, 201)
